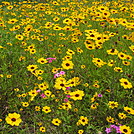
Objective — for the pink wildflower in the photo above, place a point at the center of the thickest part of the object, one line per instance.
(51, 58)
(62, 72)
(66, 100)
(43, 95)
(68, 96)
(38, 90)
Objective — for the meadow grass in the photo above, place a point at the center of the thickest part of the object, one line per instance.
(66, 67)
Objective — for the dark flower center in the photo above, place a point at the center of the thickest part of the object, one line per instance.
(13, 119)
(83, 120)
(77, 95)
(125, 130)
(67, 64)
(125, 83)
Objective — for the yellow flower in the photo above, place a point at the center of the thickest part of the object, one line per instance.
(112, 104)
(13, 119)
(77, 95)
(122, 116)
(19, 37)
(42, 61)
(9, 76)
(125, 129)
(80, 131)
(129, 110)
(125, 83)
(37, 108)
(67, 64)
(32, 67)
(83, 120)
(32, 93)
(25, 104)
(46, 109)
(42, 129)
(56, 121)
(110, 119)
(47, 93)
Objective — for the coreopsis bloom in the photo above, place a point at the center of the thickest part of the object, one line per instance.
(46, 109)
(32, 67)
(80, 131)
(60, 84)
(70, 52)
(111, 63)
(122, 56)
(118, 69)
(125, 83)
(37, 108)
(112, 104)
(66, 106)
(43, 86)
(25, 104)
(12, 21)
(110, 119)
(122, 116)
(47, 93)
(98, 62)
(125, 129)
(13, 119)
(73, 82)
(129, 110)
(83, 120)
(42, 61)
(42, 129)
(19, 37)
(67, 64)
(112, 51)
(56, 121)
(94, 106)
(33, 93)
(126, 63)
(77, 95)
(132, 48)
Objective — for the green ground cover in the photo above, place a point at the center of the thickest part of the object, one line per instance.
(66, 67)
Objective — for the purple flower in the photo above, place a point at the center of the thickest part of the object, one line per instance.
(68, 96)
(62, 72)
(118, 130)
(38, 90)
(108, 130)
(49, 61)
(57, 75)
(99, 95)
(67, 88)
(51, 58)
(43, 95)
(113, 126)
(66, 100)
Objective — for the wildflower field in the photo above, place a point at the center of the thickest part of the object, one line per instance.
(67, 67)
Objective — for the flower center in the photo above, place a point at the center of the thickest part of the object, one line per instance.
(13, 119)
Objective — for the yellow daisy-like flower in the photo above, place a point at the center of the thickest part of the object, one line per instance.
(42, 129)
(56, 121)
(67, 64)
(125, 129)
(77, 95)
(46, 109)
(112, 104)
(110, 119)
(125, 83)
(13, 119)
(122, 116)
(42, 61)
(19, 37)
(83, 120)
